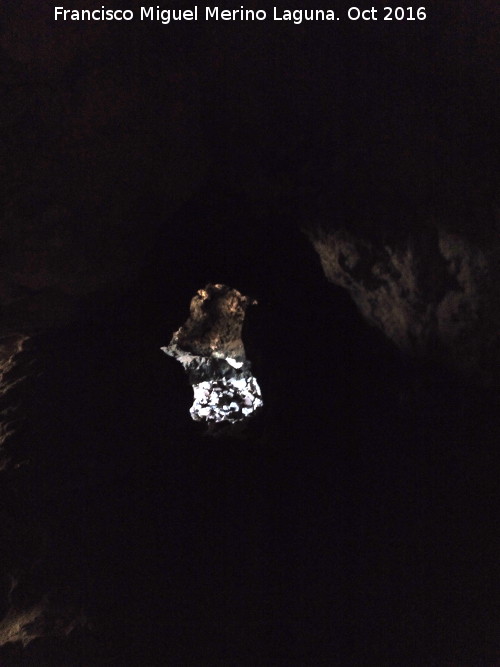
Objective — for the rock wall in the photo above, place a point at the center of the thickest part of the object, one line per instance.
(435, 296)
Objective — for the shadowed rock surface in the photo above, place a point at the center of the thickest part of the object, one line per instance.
(435, 295)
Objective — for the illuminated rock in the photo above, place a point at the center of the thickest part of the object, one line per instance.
(210, 348)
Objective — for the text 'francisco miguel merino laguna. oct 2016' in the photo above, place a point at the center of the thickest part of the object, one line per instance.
(241, 14)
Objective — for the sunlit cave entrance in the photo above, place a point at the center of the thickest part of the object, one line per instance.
(210, 348)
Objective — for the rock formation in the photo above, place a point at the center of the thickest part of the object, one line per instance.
(435, 295)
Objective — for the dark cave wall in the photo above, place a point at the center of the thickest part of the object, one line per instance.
(139, 162)
(89, 165)
(435, 295)
(109, 129)
(99, 117)
(365, 504)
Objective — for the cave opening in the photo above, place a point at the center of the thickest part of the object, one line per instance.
(210, 348)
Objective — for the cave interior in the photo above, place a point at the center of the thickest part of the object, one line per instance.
(355, 521)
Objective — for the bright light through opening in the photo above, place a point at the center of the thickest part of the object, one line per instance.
(227, 399)
(210, 348)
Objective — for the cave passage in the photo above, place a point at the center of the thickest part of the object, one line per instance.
(210, 348)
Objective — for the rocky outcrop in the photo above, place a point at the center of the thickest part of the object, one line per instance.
(434, 295)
